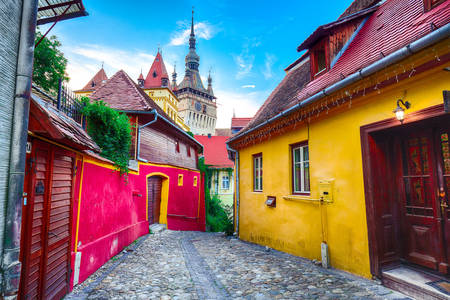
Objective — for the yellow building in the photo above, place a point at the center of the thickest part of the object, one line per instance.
(348, 159)
(99, 78)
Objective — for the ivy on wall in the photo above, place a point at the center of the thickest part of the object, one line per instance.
(111, 131)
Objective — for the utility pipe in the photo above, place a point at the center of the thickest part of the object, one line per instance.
(155, 113)
(236, 168)
(402, 53)
(10, 265)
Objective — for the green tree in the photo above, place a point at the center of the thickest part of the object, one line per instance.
(49, 63)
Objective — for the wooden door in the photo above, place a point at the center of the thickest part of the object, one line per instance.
(46, 223)
(422, 232)
(57, 259)
(154, 198)
(443, 163)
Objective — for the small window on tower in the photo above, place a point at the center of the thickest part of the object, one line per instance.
(154, 74)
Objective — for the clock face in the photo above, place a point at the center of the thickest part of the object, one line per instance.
(198, 106)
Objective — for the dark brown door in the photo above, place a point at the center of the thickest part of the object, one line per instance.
(46, 223)
(424, 240)
(154, 198)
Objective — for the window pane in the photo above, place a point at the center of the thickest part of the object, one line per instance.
(321, 60)
(306, 176)
(296, 155)
(305, 153)
(297, 176)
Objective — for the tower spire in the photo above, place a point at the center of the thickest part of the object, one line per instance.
(192, 36)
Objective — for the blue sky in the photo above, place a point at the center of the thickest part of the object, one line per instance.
(246, 44)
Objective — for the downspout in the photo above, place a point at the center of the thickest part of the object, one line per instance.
(155, 113)
(10, 265)
(236, 168)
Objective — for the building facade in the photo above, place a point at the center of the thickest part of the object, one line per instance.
(197, 105)
(221, 180)
(355, 168)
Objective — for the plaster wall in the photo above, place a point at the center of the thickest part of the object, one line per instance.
(294, 226)
(111, 212)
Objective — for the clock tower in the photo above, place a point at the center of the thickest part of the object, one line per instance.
(197, 104)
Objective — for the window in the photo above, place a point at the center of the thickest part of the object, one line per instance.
(180, 179)
(188, 150)
(429, 4)
(319, 58)
(257, 172)
(225, 182)
(300, 169)
(177, 146)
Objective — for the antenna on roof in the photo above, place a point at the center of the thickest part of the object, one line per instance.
(159, 47)
(103, 64)
(234, 113)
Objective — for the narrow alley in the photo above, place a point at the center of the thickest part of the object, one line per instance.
(194, 265)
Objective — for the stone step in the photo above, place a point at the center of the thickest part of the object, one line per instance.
(157, 228)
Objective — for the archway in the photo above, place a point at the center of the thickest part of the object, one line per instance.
(157, 198)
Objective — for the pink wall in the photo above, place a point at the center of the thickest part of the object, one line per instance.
(113, 213)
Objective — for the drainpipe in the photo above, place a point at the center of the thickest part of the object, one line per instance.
(10, 265)
(236, 167)
(155, 113)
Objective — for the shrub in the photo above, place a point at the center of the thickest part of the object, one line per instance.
(111, 131)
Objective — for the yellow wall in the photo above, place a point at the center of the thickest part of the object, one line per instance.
(168, 102)
(83, 94)
(335, 153)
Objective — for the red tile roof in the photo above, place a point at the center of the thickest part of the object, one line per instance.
(240, 122)
(223, 131)
(215, 151)
(395, 24)
(122, 93)
(95, 81)
(156, 73)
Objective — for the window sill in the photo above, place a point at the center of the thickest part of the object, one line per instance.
(301, 198)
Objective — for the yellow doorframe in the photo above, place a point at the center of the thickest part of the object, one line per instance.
(164, 196)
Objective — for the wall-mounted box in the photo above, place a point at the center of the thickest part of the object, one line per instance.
(271, 201)
(326, 190)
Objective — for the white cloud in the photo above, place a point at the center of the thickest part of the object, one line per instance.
(202, 30)
(268, 63)
(86, 60)
(244, 63)
(244, 105)
(248, 86)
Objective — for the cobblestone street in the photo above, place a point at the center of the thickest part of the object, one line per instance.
(193, 265)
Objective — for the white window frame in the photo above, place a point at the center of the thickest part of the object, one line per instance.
(257, 173)
(301, 163)
(225, 179)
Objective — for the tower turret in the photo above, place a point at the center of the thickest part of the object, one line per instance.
(210, 89)
(174, 76)
(141, 80)
(192, 59)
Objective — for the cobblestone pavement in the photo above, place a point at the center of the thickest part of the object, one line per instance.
(193, 265)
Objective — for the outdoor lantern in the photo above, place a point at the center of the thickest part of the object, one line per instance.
(400, 111)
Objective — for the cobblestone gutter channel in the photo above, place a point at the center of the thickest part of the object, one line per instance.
(206, 284)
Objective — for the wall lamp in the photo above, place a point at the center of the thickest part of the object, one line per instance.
(399, 111)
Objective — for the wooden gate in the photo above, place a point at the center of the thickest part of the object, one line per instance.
(46, 222)
(154, 184)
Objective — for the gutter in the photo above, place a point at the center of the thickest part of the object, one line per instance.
(408, 50)
(154, 112)
(236, 168)
(10, 264)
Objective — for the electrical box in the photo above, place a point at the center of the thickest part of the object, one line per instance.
(271, 201)
(326, 190)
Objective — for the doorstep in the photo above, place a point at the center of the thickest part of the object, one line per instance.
(417, 283)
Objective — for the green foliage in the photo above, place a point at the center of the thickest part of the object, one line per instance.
(111, 131)
(219, 217)
(49, 64)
